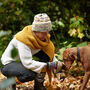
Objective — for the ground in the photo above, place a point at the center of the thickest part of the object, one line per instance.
(69, 83)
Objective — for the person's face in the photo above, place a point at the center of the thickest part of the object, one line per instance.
(42, 35)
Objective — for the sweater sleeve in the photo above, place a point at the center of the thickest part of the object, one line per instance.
(26, 58)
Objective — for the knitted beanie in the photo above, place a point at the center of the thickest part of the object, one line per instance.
(41, 23)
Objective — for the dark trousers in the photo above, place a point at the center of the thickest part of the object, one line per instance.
(18, 70)
(23, 75)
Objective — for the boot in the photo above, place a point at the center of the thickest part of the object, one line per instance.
(39, 82)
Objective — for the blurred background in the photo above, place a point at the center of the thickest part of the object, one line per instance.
(70, 21)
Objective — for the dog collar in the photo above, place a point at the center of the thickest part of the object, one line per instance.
(78, 57)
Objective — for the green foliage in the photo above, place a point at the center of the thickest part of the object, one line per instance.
(15, 14)
(35, 58)
(75, 73)
(23, 85)
(65, 16)
(77, 27)
(87, 34)
(60, 53)
(81, 73)
(5, 37)
(14, 52)
(82, 44)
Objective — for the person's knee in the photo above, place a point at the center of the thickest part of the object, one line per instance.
(30, 76)
(4, 71)
(27, 77)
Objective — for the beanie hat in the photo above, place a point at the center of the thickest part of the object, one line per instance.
(41, 23)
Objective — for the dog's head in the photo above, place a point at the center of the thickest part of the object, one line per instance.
(69, 56)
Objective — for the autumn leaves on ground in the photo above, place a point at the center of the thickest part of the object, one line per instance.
(70, 83)
(73, 80)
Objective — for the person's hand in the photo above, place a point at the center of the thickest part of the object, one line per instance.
(59, 66)
(56, 65)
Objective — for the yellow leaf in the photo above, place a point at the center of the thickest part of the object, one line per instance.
(73, 32)
(72, 86)
(80, 35)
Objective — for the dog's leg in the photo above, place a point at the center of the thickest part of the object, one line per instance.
(85, 80)
(49, 72)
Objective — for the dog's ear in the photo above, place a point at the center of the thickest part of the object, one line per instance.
(71, 56)
(73, 53)
(65, 54)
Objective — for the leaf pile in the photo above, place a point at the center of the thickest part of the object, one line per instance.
(69, 83)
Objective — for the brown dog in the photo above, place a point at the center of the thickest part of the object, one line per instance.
(82, 55)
